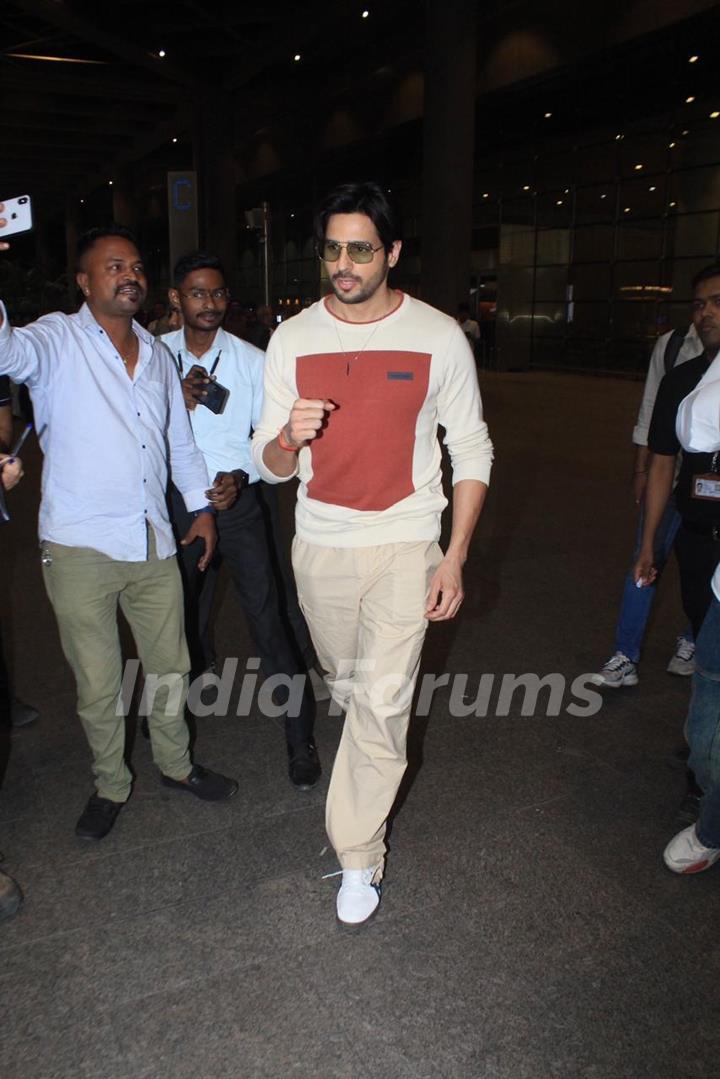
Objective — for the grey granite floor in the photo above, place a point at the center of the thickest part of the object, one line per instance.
(528, 927)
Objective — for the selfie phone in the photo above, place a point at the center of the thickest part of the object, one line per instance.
(18, 214)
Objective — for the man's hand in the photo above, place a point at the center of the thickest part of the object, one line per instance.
(639, 484)
(11, 471)
(446, 591)
(644, 572)
(3, 223)
(203, 527)
(193, 387)
(224, 491)
(307, 418)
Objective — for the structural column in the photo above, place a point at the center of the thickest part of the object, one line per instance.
(448, 148)
(215, 167)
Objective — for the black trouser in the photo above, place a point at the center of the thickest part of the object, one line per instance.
(5, 692)
(243, 544)
(698, 555)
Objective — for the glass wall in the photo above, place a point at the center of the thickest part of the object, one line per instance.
(598, 243)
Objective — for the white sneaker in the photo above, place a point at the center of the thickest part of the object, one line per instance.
(618, 671)
(683, 662)
(358, 897)
(686, 854)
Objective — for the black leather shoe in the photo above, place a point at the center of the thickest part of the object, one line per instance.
(210, 786)
(97, 818)
(304, 765)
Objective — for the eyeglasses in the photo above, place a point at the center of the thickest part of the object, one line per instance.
(205, 294)
(358, 250)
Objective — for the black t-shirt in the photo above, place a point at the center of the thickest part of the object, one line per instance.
(4, 390)
(674, 388)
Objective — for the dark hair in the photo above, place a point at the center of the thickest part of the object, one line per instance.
(195, 260)
(462, 307)
(91, 237)
(361, 198)
(706, 274)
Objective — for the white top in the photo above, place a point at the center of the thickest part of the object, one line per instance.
(106, 438)
(373, 477)
(691, 346)
(224, 439)
(698, 425)
(470, 328)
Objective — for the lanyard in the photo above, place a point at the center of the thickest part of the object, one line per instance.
(212, 369)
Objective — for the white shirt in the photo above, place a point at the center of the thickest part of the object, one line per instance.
(106, 438)
(691, 346)
(470, 328)
(224, 439)
(698, 425)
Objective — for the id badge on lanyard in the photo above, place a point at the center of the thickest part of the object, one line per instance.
(706, 485)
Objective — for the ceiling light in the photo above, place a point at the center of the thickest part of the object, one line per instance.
(603, 196)
(689, 100)
(296, 57)
(486, 194)
(53, 59)
(110, 183)
(292, 215)
(652, 189)
(714, 115)
(548, 115)
(626, 210)
(82, 200)
(673, 204)
(693, 59)
(365, 13)
(670, 145)
(174, 138)
(684, 132)
(637, 168)
(559, 202)
(526, 187)
(619, 137)
(161, 54)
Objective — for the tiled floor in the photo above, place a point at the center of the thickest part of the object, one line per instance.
(528, 927)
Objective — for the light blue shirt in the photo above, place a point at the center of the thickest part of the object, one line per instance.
(225, 439)
(106, 438)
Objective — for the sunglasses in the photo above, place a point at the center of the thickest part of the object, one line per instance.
(358, 250)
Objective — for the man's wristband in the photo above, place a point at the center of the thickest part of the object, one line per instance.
(284, 444)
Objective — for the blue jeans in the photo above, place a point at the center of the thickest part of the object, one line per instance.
(637, 602)
(703, 726)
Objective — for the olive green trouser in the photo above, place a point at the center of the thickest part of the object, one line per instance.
(85, 588)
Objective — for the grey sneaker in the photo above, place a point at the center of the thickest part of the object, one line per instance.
(683, 662)
(618, 671)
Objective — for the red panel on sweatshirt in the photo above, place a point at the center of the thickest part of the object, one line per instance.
(363, 458)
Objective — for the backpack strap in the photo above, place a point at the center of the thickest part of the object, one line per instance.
(672, 348)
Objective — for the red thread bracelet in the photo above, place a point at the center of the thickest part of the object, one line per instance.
(284, 444)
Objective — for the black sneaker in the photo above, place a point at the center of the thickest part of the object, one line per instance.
(210, 786)
(97, 818)
(304, 765)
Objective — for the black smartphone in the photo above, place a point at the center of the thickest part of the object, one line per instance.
(214, 395)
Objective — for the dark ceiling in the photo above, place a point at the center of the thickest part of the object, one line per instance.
(86, 92)
(84, 88)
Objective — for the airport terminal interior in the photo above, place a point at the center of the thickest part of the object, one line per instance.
(558, 170)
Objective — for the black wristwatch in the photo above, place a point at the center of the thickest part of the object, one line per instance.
(242, 479)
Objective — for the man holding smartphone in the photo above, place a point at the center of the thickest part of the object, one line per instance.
(112, 423)
(222, 382)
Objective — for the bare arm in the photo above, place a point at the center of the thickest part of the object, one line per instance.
(640, 472)
(446, 588)
(659, 489)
